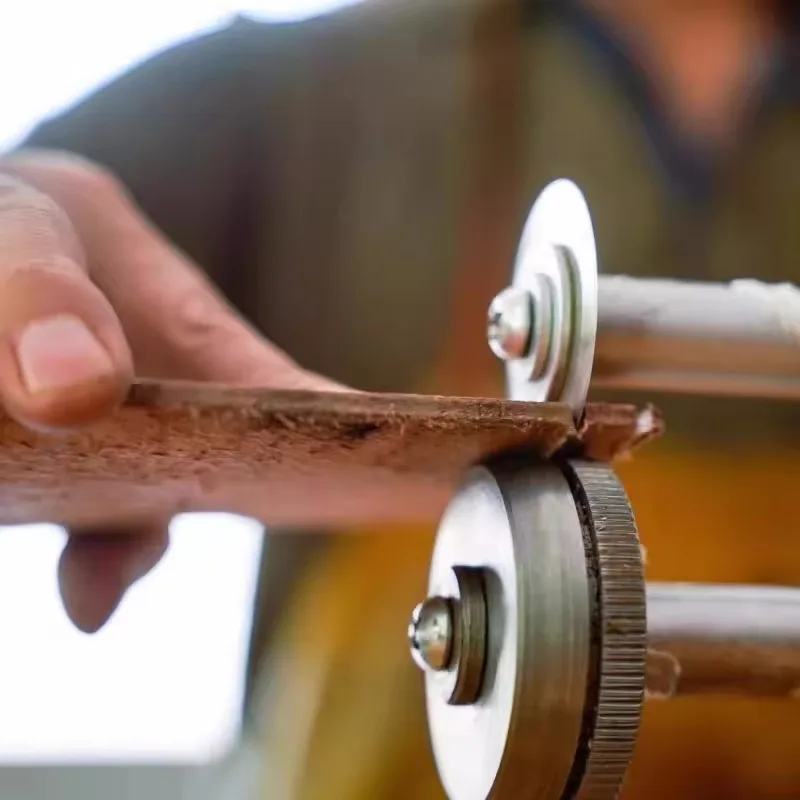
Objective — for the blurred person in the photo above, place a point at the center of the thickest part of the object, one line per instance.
(353, 188)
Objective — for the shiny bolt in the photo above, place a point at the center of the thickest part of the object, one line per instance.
(430, 634)
(510, 324)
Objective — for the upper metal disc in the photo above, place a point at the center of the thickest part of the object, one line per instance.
(562, 667)
(556, 271)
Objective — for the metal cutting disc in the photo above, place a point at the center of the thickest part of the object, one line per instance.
(561, 674)
(557, 265)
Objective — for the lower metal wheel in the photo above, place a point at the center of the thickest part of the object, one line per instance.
(532, 639)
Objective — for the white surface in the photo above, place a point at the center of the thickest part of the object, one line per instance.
(164, 681)
(52, 52)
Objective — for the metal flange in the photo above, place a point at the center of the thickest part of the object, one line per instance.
(554, 655)
(544, 326)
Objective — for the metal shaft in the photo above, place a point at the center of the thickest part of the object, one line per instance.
(740, 338)
(701, 639)
(737, 640)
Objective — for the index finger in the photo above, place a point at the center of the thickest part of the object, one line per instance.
(178, 323)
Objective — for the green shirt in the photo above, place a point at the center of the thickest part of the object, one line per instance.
(320, 171)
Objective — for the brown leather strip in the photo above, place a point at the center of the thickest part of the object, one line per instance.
(614, 431)
(286, 458)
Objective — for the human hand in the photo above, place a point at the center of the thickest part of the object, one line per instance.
(92, 294)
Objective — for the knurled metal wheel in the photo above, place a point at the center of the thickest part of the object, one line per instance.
(615, 555)
(559, 661)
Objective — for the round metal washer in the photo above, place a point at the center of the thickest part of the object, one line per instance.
(558, 248)
(519, 740)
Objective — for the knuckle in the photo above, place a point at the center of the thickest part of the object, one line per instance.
(16, 195)
(34, 229)
(212, 336)
(200, 321)
(64, 174)
(88, 178)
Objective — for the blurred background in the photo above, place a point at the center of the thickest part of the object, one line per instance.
(238, 668)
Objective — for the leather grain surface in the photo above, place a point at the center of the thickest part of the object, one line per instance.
(286, 458)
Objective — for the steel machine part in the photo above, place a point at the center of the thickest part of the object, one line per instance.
(545, 324)
(559, 327)
(539, 639)
(547, 632)
(706, 639)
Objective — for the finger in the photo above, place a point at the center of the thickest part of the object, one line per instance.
(63, 356)
(178, 324)
(97, 568)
